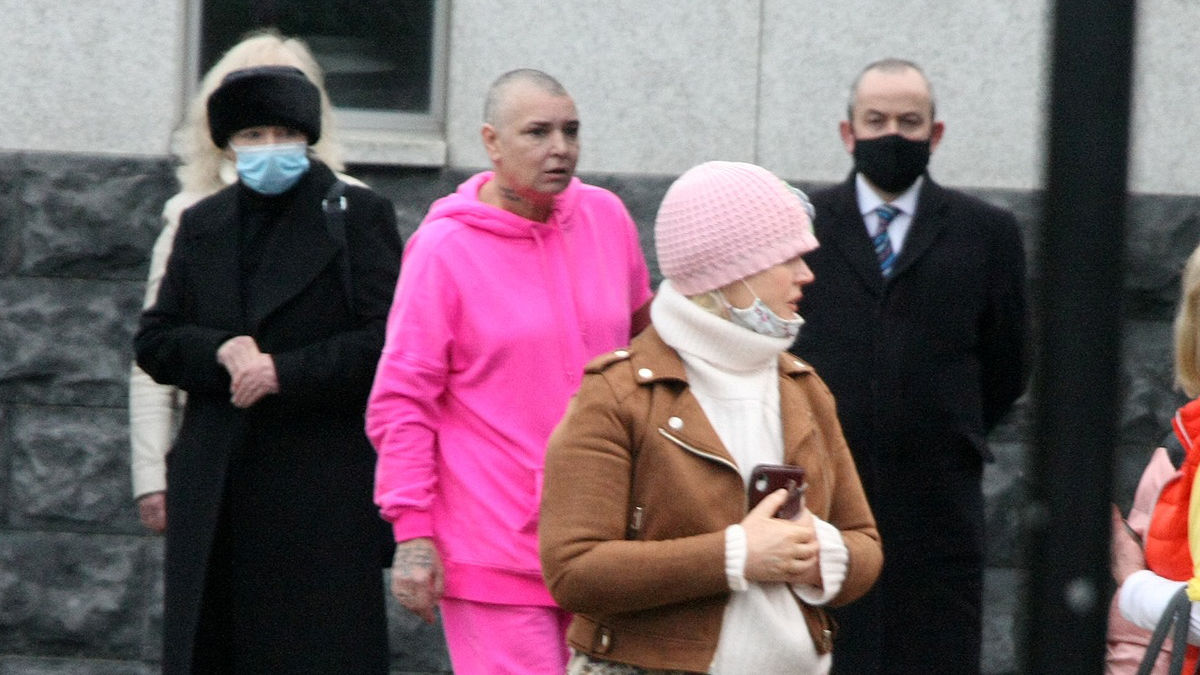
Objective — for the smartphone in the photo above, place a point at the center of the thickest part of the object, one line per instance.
(767, 478)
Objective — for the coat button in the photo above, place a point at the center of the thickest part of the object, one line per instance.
(675, 423)
(621, 353)
(645, 373)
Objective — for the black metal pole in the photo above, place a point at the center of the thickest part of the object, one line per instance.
(1078, 304)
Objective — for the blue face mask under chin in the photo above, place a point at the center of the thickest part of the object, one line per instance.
(271, 169)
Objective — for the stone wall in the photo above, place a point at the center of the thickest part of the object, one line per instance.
(80, 581)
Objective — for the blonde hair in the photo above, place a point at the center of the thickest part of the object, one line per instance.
(201, 159)
(710, 302)
(1187, 329)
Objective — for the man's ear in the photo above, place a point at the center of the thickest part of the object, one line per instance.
(935, 136)
(847, 134)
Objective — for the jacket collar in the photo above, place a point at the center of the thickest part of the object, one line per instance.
(928, 223)
(297, 252)
(653, 361)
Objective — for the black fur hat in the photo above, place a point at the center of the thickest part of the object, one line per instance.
(264, 95)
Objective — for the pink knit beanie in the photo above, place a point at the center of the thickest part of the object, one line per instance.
(724, 221)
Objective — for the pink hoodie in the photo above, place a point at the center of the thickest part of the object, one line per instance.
(493, 320)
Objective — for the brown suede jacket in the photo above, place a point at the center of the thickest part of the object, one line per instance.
(639, 489)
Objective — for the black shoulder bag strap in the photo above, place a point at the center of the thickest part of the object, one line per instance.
(1178, 612)
(1175, 450)
(334, 206)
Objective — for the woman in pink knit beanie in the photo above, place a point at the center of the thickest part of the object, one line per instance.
(646, 532)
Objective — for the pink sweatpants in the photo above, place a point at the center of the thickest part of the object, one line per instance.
(488, 639)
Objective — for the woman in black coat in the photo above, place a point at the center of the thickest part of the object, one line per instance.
(271, 317)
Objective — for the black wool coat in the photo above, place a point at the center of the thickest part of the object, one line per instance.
(273, 543)
(935, 355)
(922, 365)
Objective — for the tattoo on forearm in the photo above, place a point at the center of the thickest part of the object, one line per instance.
(409, 559)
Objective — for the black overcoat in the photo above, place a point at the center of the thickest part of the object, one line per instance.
(272, 505)
(922, 366)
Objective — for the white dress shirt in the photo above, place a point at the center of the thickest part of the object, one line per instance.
(868, 201)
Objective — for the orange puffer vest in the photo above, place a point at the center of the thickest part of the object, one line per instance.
(1167, 551)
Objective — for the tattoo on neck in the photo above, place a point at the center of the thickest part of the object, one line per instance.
(510, 194)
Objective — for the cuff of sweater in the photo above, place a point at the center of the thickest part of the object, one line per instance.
(835, 560)
(735, 558)
(1144, 596)
(412, 524)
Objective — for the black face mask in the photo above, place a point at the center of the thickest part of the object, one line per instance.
(892, 163)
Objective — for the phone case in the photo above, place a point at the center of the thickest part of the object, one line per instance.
(767, 478)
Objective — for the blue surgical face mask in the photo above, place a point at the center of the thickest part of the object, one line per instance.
(271, 169)
(760, 319)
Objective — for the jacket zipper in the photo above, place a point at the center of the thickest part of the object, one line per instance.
(635, 523)
(699, 453)
(638, 515)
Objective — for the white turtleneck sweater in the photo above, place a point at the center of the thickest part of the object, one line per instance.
(733, 372)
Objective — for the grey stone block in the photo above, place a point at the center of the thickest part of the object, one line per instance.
(410, 190)
(151, 598)
(67, 342)
(1148, 396)
(1148, 401)
(416, 646)
(81, 217)
(70, 469)
(22, 665)
(77, 595)
(1161, 231)
(6, 444)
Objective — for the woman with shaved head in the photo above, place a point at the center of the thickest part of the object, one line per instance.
(510, 286)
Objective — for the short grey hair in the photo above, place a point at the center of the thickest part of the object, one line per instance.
(496, 97)
(889, 65)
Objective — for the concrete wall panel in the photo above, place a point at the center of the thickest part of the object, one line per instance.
(98, 77)
(985, 61)
(660, 86)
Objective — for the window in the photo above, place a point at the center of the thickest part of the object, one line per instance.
(383, 59)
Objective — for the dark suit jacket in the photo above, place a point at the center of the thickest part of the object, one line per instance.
(931, 359)
(291, 477)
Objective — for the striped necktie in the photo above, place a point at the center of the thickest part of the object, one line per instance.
(881, 240)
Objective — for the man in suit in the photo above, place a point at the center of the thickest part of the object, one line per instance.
(917, 321)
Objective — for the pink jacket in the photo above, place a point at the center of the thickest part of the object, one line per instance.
(493, 320)
(1126, 642)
